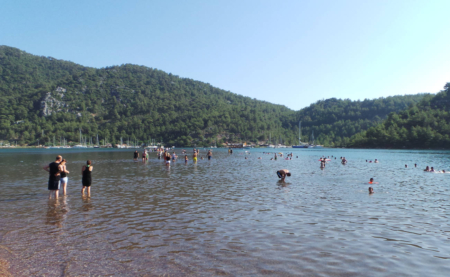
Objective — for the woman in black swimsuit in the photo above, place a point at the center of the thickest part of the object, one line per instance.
(87, 180)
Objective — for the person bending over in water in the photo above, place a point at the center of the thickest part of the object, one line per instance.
(371, 190)
(282, 173)
(86, 180)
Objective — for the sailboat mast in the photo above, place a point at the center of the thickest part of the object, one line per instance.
(300, 132)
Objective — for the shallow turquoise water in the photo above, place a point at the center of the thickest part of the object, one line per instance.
(229, 215)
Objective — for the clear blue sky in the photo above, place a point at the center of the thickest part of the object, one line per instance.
(287, 52)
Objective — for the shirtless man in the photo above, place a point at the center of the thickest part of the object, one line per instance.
(209, 154)
(282, 173)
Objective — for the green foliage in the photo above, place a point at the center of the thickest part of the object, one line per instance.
(425, 125)
(142, 103)
(334, 121)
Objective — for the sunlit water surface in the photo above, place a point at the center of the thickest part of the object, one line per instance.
(228, 216)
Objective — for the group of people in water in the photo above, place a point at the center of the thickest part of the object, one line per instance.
(428, 169)
(58, 178)
(58, 173)
(168, 157)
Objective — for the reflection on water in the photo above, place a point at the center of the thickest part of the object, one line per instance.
(56, 211)
(228, 216)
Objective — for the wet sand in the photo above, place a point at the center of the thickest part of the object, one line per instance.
(4, 267)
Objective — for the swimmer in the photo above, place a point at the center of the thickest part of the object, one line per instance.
(427, 168)
(371, 181)
(282, 173)
(432, 169)
(415, 165)
(371, 190)
(245, 158)
(202, 158)
(136, 155)
(259, 158)
(406, 166)
(376, 161)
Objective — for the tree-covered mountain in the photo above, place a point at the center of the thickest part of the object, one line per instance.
(334, 121)
(42, 98)
(424, 125)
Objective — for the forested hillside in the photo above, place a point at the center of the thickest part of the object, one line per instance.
(334, 121)
(425, 125)
(42, 98)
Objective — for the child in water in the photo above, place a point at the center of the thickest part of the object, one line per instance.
(371, 190)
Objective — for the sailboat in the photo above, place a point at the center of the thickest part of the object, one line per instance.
(313, 145)
(300, 143)
(270, 141)
(97, 145)
(79, 145)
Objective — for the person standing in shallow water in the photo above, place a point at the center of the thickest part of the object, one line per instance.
(63, 173)
(194, 156)
(136, 155)
(209, 154)
(54, 177)
(86, 179)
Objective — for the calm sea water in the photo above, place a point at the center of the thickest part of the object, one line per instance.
(228, 216)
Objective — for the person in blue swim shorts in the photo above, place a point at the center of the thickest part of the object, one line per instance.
(282, 173)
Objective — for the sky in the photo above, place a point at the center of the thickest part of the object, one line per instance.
(292, 53)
